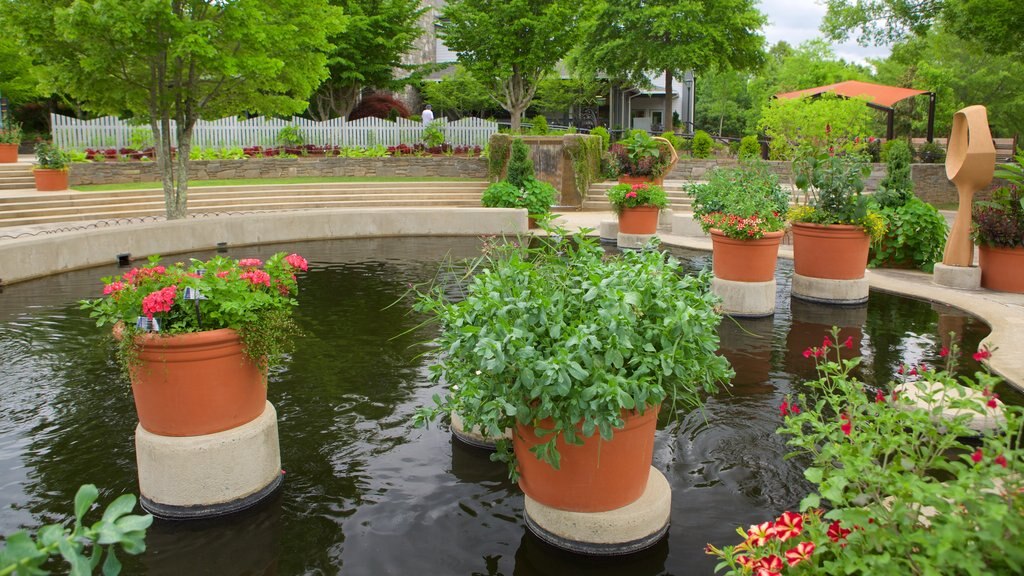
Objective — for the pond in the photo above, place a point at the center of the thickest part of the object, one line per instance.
(366, 494)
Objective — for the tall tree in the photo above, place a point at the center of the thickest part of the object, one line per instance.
(628, 39)
(368, 53)
(180, 60)
(458, 94)
(510, 45)
(19, 81)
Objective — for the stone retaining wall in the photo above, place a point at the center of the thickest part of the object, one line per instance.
(402, 166)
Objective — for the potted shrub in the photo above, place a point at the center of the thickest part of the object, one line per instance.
(520, 188)
(998, 230)
(51, 169)
(575, 352)
(744, 210)
(641, 158)
(197, 339)
(832, 232)
(638, 206)
(10, 139)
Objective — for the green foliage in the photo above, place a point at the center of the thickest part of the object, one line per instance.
(555, 94)
(25, 555)
(433, 135)
(1000, 222)
(520, 166)
(750, 148)
(534, 195)
(931, 153)
(833, 184)
(897, 187)
(903, 487)
(641, 155)
(703, 145)
(499, 149)
(291, 136)
(10, 132)
(585, 153)
(561, 331)
(743, 202)
(539, 125)
(50, 157)
(603, 133)
(844, 123)
(675, 141)
(458, 94)
(636, 195)
(218, 154)
(915, 236)
(250, 296)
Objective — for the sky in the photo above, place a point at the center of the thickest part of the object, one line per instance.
(797, 20)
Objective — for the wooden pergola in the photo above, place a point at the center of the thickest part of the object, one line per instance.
(878, 96)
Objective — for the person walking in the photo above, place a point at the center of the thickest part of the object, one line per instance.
(428, 114)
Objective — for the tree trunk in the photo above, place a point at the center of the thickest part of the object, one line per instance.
(667, 113)
(180, 208)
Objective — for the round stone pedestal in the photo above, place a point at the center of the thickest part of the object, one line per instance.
(633, 241)
(841, 292)
(960, 277)
(184, 477)
(609, 231)
(621, 531)
(745, 299)
(474, 437)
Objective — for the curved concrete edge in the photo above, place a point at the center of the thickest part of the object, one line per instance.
(745, 299)
(624, 530)
(28, 258)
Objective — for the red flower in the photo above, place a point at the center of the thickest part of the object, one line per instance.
(992, 403)
(982, 354)
(256, 277)
(808, 353)
(977, 456)
(900, 371)
(1001, 460)
(784, 408)
(794, 408)
(849, 342)
(159, 301)
(837, 532)
(744, 561)
(114, 287)
(766, 572)
(819, 352)
(760, 533)
(631, 194)
(894, 395)
(802, 552)
(789, 525)
(223, 274)
(913, 372)
(826, 342)
(250, 263)
(847, 426)
(770, 563)
(879, 397)
(944, 352)
(296, 261)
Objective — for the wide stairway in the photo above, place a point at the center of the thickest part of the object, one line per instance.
(72, 206)
(16, 176)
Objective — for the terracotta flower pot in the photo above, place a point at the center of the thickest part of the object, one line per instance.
(595, 477)
(8, 153)
(834, 252)
(745, 260)
(50, 180)
(627, 179)
(639, 220)
(1002, 268)
(195, 384)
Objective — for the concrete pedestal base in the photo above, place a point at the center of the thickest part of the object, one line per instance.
(665, 217)
(745, 299)
(183, 477)
(960, 277)
(840, 292)
(622, 531)
(685, 225)
(633, 241)
(609, 231)
(931, 395)
(474, 437)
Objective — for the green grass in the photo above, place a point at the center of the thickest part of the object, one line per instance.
(264, 181)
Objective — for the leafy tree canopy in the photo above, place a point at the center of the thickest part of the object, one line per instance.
(458, 94)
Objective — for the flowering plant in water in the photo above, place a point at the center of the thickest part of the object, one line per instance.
(249, 295)
(902, 487)
(636, 195)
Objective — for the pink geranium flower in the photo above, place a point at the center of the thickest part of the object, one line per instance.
(296, 261)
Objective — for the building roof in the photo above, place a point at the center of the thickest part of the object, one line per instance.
(877, 94)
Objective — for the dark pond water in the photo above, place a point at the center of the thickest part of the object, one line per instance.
(365, 493)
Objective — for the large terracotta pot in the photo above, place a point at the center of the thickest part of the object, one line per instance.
(195, 384)
(745, 260)
(834, 252)
(597, 476)
(627, 179)
(50, 180)
(8, 153)
(639, 220)
(1002, 268)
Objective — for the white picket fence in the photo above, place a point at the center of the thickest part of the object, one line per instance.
(112, 132)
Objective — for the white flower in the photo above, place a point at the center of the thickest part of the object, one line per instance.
(478, 372)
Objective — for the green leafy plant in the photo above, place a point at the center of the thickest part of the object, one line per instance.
(559, 330)
(10, 132)
(539, 125)
(534, 195)
(254, 297)
(433, 135)
(702, 145)
(743, 202)
(24, 555)
(603, 133)
(897, 186)
(931, 153)
(902, 487)
(675, 141)
(821, 122)
(520, 166)
(291, 136)
(641, 155)
(636, 195)
(142, 138)
(750, 148)
(915, 236)
(50, 157)
(1000, 222)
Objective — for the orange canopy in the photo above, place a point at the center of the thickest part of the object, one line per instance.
(875, 93)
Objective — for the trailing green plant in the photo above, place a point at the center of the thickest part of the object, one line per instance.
(534, 195)
(539, 125)
(433, 135)
(50, 157)
(915, 236)
(10, 132)
(897, 187)
(643, 194)
(605, 136)
(558, 330)
(498, 151)
(83, 547)
(743, 202)
(750, 148)
(291, 136)
(703, 145)
(902, 486)
(253, 297)
(520, 166)
(585, 153)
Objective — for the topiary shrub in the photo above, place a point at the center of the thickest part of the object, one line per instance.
(897, 187)
(703, 145)
(378, 105)
(539, 125)
(520, 167)
(606, 138)
(750, 148)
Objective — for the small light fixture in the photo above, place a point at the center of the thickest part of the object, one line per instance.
(124, 259)
(147, 324)
(222, 246)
